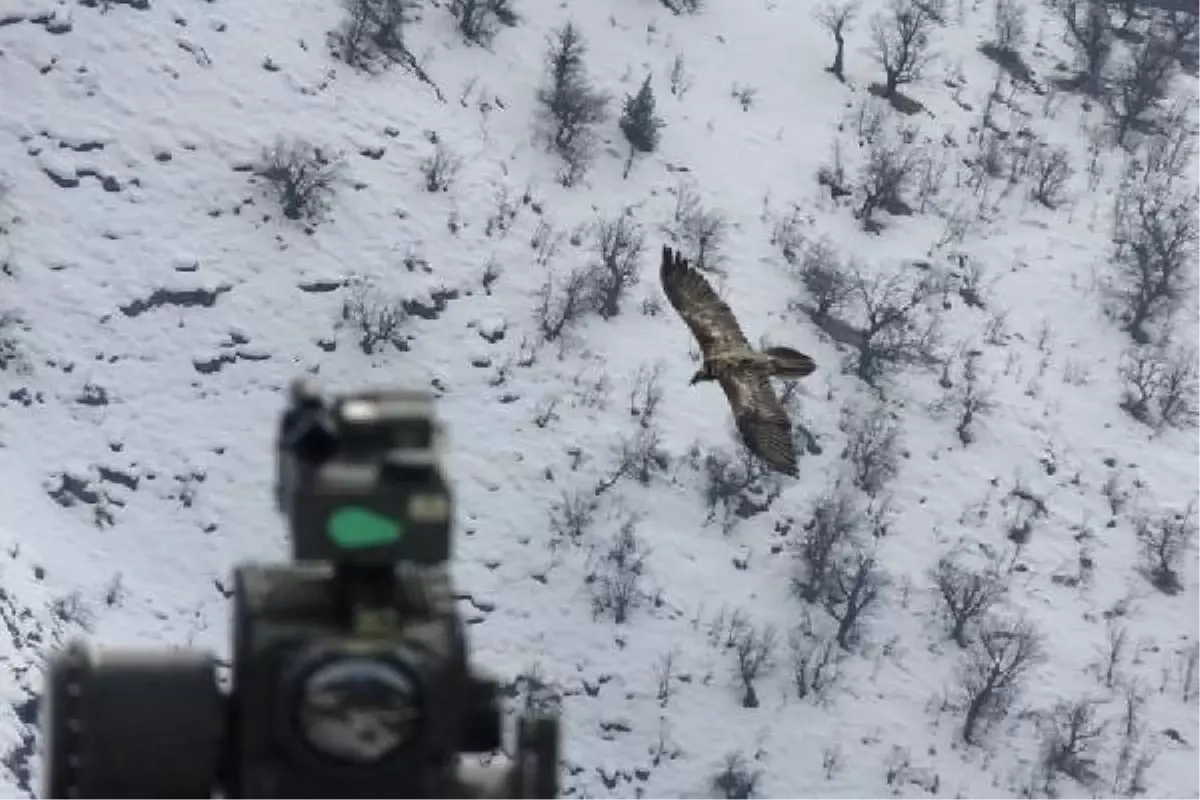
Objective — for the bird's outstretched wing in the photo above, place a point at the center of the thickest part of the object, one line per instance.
(711, 320)
(761, 419)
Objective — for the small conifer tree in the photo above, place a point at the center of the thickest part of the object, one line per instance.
(640, 123)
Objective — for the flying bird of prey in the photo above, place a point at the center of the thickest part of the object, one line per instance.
(744, 373)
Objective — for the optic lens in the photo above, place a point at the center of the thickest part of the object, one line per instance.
(358, 709)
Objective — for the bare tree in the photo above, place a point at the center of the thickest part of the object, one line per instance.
(1073, 739)
(1090, 27)
(994, 668)
(836, 16)
(1165, 539)
(302, 176)
(1160, 385)
(872, 445)
(1139, 84)
(900, 37)
(898, 326)
(1155, 252)
(967, 595)
(835, 519)
(853, 587)
(571, 105)
(755, 651)
(619, 244)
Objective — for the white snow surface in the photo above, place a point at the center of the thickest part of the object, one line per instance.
(132, 81)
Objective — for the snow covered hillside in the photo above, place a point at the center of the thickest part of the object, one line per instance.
(994, 269)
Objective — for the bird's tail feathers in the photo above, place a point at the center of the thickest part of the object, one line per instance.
(789, 363)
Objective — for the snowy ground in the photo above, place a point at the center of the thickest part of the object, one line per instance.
(168, 101)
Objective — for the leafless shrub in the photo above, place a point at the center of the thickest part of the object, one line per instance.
(477, 19)
(972, 282)
(440, 168)
(1009, 25)
(787, 233)
(11, 351)
(1090, 27)
(967, 400)
(833, 175)
(681, 80)
(1116, 640)
(1165, 539)
(744, 95)
(737, 780)
(640, 456)
(646, 455)
(994, 668)
(853, 587)
(872, 449)
(646, 394)
(301, 176)
(1132, 761)
(814, 664)
(898, 327)
(1073, 739)
(754, 649)
(835, 519)
(900, 41)
(894, 162)
(1182, 23)
(372, 36)
(683, 6)
(572, 517)
(1139, 84)
(615, 581)
(1160, 385)
(836, 16)
(619, 243)
(571, 106)
(824, 277)
(737, 487)
(378, 318)
(1155, 252)
(562, 304)
(701, 232)
(72, 610)
(1049, 169)
(967, 595)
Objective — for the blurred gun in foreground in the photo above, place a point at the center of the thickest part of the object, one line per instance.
(350, 673)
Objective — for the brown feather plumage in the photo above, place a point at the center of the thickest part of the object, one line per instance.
(761, 418)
